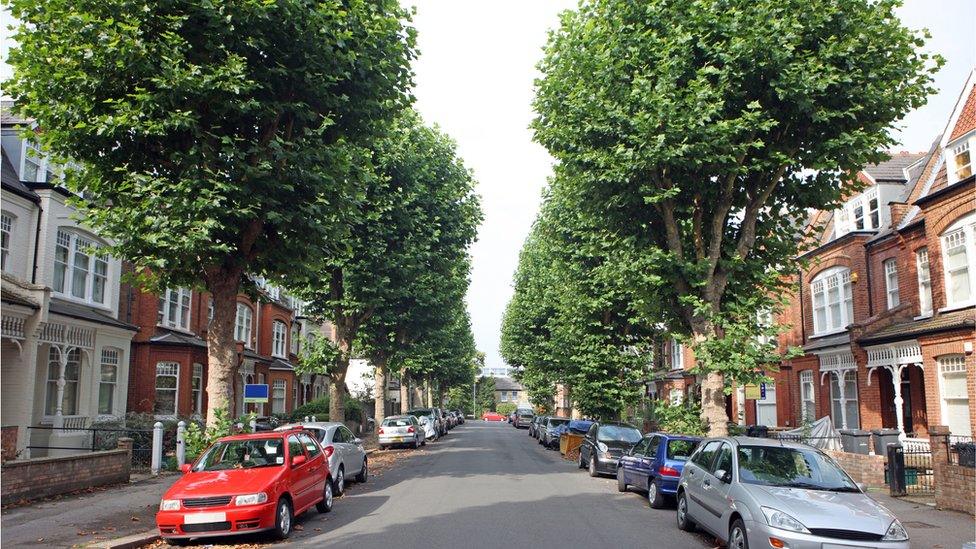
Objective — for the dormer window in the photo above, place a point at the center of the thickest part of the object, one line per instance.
(33, 164)
(861, 213)
(962, 161)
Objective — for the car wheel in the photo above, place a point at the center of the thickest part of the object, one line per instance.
(684, 521)
(363, 473)
(593, 470)
(621, 485)
(423, 442)
(737, 535)
(283, 519)
(654, 496)
(340, 482)
(582, 464)
(416, 444)
(325, 505)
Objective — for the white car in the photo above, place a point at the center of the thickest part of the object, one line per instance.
(429, 421)
(347, 457)
(400, 431)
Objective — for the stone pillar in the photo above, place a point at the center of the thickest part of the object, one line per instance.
(939, 443)
(125, 443)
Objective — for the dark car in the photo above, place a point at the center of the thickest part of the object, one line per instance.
(460, 416)
(604, 444)
(550, 429)
(534, 426)
(511, 418)
(654, 464)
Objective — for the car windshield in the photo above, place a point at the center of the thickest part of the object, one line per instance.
(792, 468)
(421, 413)
(243, 454)
(679, 450)
(397, 422)
(615, 433)
(558, 422)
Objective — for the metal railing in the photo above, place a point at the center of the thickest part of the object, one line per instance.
(93, 439)
(962, 450)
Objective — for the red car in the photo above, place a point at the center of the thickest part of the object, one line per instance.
(493, 416)
(247, 483)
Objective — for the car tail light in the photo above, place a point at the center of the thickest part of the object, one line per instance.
(411, 429)
(329, 450)
(380, 432)
(666, 471)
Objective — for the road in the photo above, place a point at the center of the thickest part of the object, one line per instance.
(486, 486)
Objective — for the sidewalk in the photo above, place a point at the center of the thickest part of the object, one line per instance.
(86, 518)
(927, 526)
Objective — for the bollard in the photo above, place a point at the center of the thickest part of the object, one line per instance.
(306, 419)
(313, 419)
(180, 443)
(896, 470)
(157, 448)
(254, 425)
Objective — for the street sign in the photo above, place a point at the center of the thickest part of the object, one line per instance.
(753, 392)
(256, 392)
(762, 391)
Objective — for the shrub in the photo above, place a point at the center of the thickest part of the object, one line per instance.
(682, 419)
(318, 408)
(506, 408)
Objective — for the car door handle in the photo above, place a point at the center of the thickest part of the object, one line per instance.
(706, 485)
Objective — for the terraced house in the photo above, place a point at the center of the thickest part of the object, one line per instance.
(884, 310)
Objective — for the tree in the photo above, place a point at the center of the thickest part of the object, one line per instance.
(405, 260)
(485, 391)
(696, 135)
(215, 139)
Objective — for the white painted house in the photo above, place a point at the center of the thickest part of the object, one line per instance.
(65, 353)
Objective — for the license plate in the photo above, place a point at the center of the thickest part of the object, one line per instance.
(838, 546)
(204, 518)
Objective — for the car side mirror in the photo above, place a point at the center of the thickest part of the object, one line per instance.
(724, 476)
(298, 460)
(186, 468)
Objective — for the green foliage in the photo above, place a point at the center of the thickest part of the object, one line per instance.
(684, 418)
(486, 395)
(199, 438)
(505, 408)
(318, 408)
(317, 355)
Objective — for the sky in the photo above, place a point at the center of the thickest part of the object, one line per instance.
(475, 80)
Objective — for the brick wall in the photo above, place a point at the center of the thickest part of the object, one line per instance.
(866, 469)
(44, 477)
(9, 442)
(955, 485)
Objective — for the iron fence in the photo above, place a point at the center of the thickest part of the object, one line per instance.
(93, 439)
(962, 450)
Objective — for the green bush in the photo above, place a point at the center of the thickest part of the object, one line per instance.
(684, 419)
(318, 408)
(506, 408)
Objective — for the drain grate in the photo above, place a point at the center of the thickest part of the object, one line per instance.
(916, 524)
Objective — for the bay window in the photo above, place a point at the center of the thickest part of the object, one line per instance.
(108, 379)
(833, 304)
(843, 397)
(955, 396)
(278, 397)
(861, 213)
(242, 324)
(891, 283)
(79, 271)
(924, 282)
(6, 227)
(174, 308)
(34, 163)
(808, 406)
(72, 370)
(959, 257)
(278, 337)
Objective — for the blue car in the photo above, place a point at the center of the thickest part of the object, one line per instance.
(654, 464)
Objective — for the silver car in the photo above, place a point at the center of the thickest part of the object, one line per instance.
(347, 457)
(752, 492)
(401, 431)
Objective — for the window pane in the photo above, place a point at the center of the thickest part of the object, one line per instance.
(106, 392)
(959, 285)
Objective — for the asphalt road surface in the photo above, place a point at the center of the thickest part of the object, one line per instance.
(489, 485)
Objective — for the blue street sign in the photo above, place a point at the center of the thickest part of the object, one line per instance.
(257, 392)
(762, 391)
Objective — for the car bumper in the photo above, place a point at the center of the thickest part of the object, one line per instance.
(668, 485)
(760, 532)
(607, 465)
(396, 439)
(236, 520)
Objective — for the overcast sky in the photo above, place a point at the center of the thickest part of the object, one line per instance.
(475, 80)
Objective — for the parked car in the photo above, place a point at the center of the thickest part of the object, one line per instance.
(550, 430)
(247, 483)
(604, 444)
(451, 419)
(785, 494)
(400, 431)
(429, 420)
(654, 464)
(534, 427)
(511, 418)
(460, 416)
(523, 418)
(344, 450)
(492, 416)
(442, 417)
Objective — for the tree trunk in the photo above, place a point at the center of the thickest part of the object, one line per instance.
(337, 392)
(430, 393)
(222, 364)
(379, 392)
(712, 394)
(404, 391)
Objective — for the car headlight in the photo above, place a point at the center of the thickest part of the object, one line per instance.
(896, 532)
(251, 499)
(783, 521)
(169, 505)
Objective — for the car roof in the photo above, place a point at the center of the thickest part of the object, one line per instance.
(401, 416)
(616, 423)
(755, 441)
(673, 436)
(258, 436)
(310, 425)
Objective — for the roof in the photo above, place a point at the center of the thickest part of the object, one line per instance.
(167, 337)
(279, 364)
(7, 115)
(953, 320)
(507, 384)
(9, 297)
(91, 314)
(893, 169)
(828, 341)
(967, 117)
(10, 180)
(254, 356)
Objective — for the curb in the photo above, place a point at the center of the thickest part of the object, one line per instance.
(128, 542)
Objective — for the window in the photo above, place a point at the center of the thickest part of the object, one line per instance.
(675, 355)
(962, 162)
(242, 325)
(833, 306)
(196, 388)
(676, 396)
(174, 308)
(924, 282)
(6, 227)
(706, 456)
(891, 282)
(167, 382)
(504, 396)
(310, 446)
(69, 399)
(77, 272)
(843, 396)
(260, 406)
(296, 337)
(808, 404)
(724, 460)
(33, 168)
(107, 380)
(958, 244)
(955, 398)
(861, 213)
(294, 394)
(278, 397)
(278, 338)
(766, 407)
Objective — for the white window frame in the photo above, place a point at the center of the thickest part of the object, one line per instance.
(51, 408)
(677, 354)
(808, 396)
(6, 235)
(504, 396)
(835, 400)
(111, 358)
(953, 364)
(166, 368)
(175, 305)
(839, 277)
(961, 234)
(30, 148)
(891, 282)
(924, 282)
(763, 406)
(279, 339)
(276, 398)
(295, 340)
(243, 324)
(95, 269)
(955, 152)
(197, 388)
(676, 396)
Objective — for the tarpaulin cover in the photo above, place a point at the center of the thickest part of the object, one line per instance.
(819, 434)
